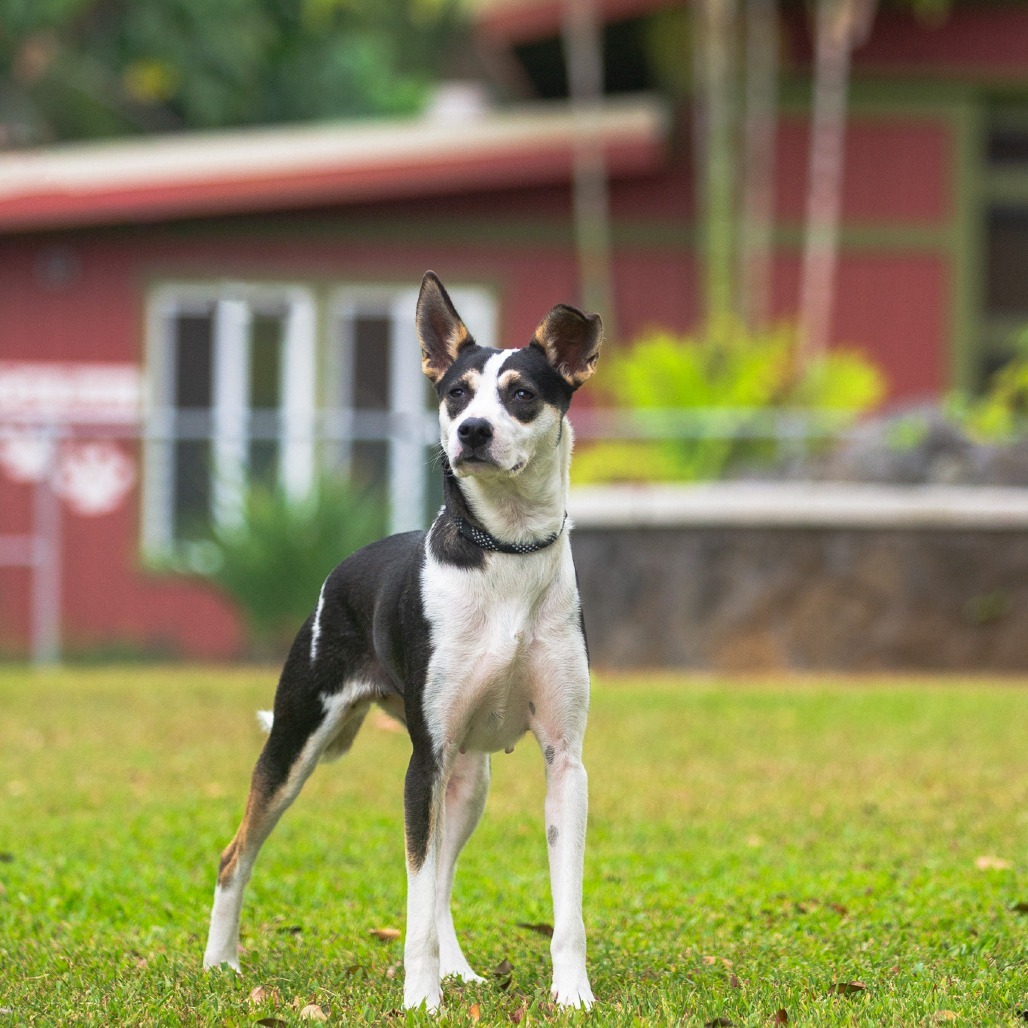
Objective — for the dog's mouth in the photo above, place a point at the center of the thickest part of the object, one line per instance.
(474, 463)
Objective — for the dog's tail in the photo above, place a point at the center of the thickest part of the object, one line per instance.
(265, 718)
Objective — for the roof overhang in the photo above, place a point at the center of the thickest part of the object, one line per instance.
(171, 177)
(519, 21)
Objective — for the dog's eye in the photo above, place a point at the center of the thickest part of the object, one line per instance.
(523, 394)
(456, 392)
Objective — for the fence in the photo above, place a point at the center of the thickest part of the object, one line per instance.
(41, 455)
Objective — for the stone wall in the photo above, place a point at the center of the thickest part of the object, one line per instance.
(934, 580)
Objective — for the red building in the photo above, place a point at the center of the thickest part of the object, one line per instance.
(211, 307)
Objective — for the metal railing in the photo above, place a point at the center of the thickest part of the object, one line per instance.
(40, 548)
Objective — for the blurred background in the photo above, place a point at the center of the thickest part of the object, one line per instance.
(805, 225)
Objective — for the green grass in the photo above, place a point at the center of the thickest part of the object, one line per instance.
(752, 846)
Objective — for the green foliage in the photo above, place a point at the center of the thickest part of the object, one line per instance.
(750, 848)
(73, 69)
(721, 396)
(1000, 414)
(273, 563)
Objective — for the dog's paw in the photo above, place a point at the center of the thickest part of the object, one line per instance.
(573, 992)
(463, 972)
(415, 997)
(213, 961)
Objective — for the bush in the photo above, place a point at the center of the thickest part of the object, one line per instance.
(273, 563)
(703, 406)
(1000, 414)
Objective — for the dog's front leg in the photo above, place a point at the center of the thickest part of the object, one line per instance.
(423, 814)
(567, 803)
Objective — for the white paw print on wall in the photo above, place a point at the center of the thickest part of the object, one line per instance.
(94, 478)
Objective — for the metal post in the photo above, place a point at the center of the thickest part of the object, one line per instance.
(46, 564)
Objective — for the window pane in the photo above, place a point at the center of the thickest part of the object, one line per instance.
(193, 390)
(371, 335)
(192, 489)
(1007, 284)
(266, 345)
(1008, 146)
(369, 465)
(193, 379)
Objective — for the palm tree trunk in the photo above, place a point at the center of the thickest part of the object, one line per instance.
(583, 56)
(758, 192)
(840, 25)
(715, 59)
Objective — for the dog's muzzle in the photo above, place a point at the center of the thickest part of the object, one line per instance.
(475, 436)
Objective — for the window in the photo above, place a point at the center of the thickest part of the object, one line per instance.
(242, 388)
(389, 426)
(231, 400)
(1006, 242)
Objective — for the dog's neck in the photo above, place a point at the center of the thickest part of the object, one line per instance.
(522, 508)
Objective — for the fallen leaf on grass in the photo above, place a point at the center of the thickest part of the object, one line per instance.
(312, 1012)
(290, 929)
(6, 858)
(780, 1016)
(991, 863)
(719, 1022)
(259, 994)
(502, 972)
(475, 1012)
(517, 1016)
(270, 1022)
(541, 928)
(385, 934)
(1020, 907)
(847, 988)
(734, 982)
(941, 1016)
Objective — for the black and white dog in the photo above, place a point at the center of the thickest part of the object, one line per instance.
(471, 634)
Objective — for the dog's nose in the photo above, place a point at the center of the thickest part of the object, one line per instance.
(475, 432)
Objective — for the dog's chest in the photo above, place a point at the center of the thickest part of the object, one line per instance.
(490, 633)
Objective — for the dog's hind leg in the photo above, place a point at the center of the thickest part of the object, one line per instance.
(466, 794)
(307, 725)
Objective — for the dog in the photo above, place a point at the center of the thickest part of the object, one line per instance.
(471, 634)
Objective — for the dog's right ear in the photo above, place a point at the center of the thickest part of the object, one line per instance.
(440, 331)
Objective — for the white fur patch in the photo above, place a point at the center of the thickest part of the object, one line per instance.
(316, 627)
(265, 718)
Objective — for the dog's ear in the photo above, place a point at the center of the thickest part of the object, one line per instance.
(571, 341)
(440, 331)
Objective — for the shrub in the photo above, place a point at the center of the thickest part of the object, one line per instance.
(273, 562)
(700, 407)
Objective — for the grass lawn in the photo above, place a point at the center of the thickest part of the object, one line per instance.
(848, 852)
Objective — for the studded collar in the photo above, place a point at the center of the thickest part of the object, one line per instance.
(480, 537)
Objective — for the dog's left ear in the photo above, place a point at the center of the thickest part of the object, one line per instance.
(440, 331)
(571, 341)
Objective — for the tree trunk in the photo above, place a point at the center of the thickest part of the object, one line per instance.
(583, 56)
(715, 60)
(758, 186)
(840, 25)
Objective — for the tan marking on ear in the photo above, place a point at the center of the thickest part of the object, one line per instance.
(455, 342)
(571, 342)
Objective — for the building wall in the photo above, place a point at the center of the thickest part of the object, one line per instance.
(81, 296)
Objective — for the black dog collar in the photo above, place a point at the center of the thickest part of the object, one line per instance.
(480, 537)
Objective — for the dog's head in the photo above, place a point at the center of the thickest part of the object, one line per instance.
(497, 407)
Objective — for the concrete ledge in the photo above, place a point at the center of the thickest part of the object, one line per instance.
(800, 505)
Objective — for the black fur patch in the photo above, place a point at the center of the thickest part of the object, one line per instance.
(448, 546)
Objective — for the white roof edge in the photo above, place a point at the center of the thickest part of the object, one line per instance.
(309, 148)
(800, 505)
